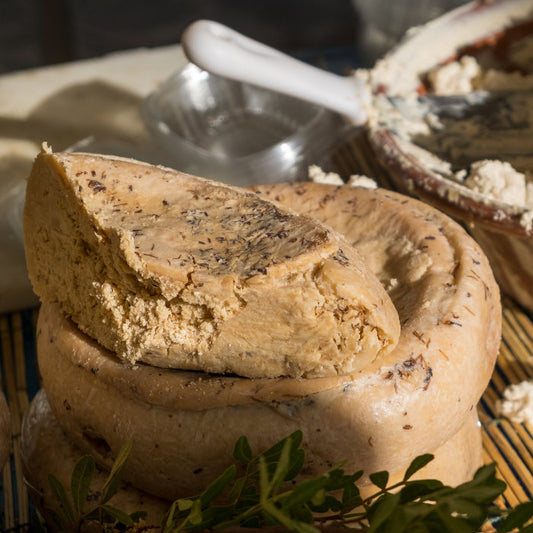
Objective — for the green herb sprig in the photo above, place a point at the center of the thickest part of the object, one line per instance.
(262, 490)
(73, 504)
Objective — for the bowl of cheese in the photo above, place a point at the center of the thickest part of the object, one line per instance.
(481, 176)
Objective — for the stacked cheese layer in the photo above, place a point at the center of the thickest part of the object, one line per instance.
(47, 449)
(309, 334)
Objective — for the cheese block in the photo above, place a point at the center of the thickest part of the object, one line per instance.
(5, 431)
(45, 449)
(177, 271)
(410, 401)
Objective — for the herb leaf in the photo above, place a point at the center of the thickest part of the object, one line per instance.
(112, 482)
(282, 466)
(218, 486)
(268, 493)
(417, 464)
(380, 479)
(521, 514)
(242, 451)
(61, 496)
(82, 476)
(117, 515)
(305, 492)
(382, 510)
(418, 489)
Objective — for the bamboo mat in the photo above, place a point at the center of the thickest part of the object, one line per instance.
(509, 445)
(20, 382)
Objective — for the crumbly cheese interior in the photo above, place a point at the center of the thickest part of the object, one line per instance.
(181, 272)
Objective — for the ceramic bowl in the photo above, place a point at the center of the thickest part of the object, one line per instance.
(486, 29)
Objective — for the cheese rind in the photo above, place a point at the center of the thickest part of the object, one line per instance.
(47, 449)
(181, 272)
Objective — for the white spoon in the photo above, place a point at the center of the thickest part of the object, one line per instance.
(224, 52)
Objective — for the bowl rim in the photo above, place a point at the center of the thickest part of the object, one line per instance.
(451, 197)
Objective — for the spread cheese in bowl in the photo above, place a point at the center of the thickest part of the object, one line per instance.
(471, 160)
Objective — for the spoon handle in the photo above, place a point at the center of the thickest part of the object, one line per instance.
(224, 52)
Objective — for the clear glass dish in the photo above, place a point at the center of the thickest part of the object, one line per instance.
(238, 133)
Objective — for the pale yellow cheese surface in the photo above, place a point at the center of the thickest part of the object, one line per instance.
(182, 272)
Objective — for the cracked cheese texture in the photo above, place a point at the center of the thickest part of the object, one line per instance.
(181, 272)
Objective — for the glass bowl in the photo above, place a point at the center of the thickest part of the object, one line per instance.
(235, 132)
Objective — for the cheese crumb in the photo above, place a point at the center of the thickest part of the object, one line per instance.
(526, 220)
(457, 77)
(517, 402)
(498, 180)
(391, 284)
(317, 175)
(46, 148)
(364, 182)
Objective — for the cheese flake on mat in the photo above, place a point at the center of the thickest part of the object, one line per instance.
(182, 272)
(517, 402)
(317, 175)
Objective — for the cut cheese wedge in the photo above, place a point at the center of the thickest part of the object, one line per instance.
(181, 272)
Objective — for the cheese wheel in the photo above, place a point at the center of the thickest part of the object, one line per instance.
(182, 272)
(5, 431)
(47, 450)
(184, 424)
